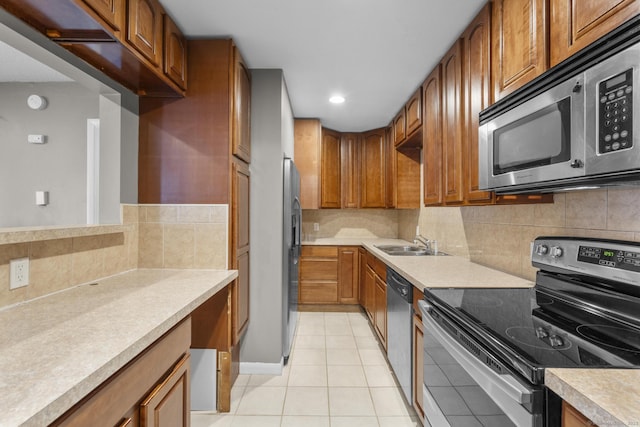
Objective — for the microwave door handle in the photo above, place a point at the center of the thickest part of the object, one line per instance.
(478, 370)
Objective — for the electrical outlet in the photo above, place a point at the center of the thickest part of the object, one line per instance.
(316, 226)
(19, 273)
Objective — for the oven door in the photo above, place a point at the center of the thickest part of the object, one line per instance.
(540, 140)
(461, 390)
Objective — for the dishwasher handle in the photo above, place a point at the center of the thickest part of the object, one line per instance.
(401, 286)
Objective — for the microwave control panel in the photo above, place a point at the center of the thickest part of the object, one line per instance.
(615, 113)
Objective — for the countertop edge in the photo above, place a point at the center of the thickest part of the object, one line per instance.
(66, 401)
(579, 399)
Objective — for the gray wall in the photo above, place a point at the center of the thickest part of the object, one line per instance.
(59, 166)
(271, 137)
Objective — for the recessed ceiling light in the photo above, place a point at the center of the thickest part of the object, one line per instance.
(336, 99)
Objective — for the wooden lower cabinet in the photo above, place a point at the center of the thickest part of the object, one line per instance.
(571, 417)
(151, 390)
(380, 312)
(329, 275)
(168, 405)
(370, 289)
(417, 367)
(348, 273)
(318, 275)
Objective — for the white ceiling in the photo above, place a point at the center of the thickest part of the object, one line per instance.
(20, 67)
(374, 52)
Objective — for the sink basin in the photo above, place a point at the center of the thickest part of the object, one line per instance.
(407, 250)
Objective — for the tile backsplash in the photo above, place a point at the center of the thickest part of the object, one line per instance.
(183, 236)
(154, 236)
(500, 236)
(65, 262)
(361, 223)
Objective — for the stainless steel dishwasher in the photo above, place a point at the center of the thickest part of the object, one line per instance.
(399, 317)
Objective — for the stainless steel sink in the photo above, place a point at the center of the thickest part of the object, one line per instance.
(407, 250)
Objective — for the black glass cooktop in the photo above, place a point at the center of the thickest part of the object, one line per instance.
(541, 327)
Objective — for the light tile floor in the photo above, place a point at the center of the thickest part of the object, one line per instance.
(337, 376)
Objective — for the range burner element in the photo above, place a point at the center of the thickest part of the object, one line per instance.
(620, 338)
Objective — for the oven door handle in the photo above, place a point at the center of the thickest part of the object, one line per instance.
(486, 377)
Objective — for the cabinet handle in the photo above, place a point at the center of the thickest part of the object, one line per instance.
(126, 423)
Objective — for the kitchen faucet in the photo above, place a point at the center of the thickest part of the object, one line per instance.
(426, 242)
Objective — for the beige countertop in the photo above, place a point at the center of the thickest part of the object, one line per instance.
(433, 271)
(56, 349)
(608, 397)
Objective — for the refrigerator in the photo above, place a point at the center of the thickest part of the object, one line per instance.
(292, 218)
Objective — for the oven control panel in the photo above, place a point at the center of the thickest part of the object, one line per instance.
(615, 113)
(610, 257)
(607, 259)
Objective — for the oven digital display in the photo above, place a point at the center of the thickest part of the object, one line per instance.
(614, 258)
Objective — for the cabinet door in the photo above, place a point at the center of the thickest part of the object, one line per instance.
(240, 211)
(348, 273)
(373, 152)
(168, 405)
(307, 135)
(418, 364)
(111, 11)
(414, 112)
(145, 28)
(390, 169)
(577, 23)
(571, 417)
(350, 174)
(519, 43)
(380, 314)
(432, 138)
(400, 127)
(362, 267)
(241, 138)
(477, 79)
(330, 193)
(370, 293)
(175, 53)
(452, 124)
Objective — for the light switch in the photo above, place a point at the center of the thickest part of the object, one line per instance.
(37, 139)
(42, 198)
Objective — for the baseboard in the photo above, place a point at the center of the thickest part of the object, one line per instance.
(259, 368)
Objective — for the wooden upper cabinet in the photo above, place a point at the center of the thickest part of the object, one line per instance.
(577, 23)
(307, 135)
(330, 186)
(452, 124)
(400, 127)
(373, 152)
(413, 110)
(241, 139)
(350, 174)
(390, 169)
(519, 43)
(477, 80)
(432, 138)
(175, 53)
(144, 30)
(112, 12)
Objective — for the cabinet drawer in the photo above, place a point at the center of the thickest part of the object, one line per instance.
(119, 396)
(319, 269)
(318, 292)
(320, 251)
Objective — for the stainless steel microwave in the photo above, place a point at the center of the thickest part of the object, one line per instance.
(580, 133)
